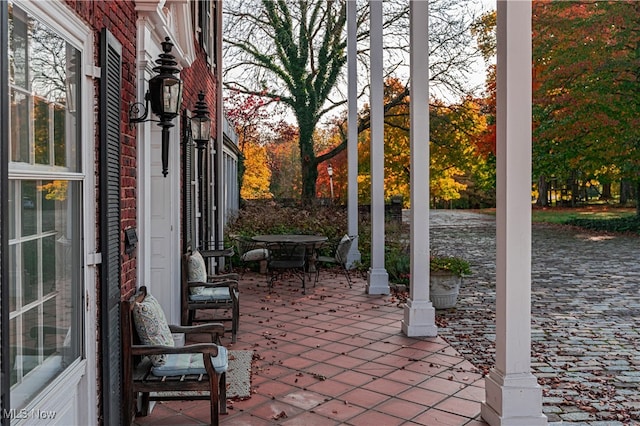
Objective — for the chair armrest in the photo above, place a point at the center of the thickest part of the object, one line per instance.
(202, 348)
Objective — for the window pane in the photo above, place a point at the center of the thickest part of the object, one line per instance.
(13, 277)
(51, 193)
(29, 212)
(11, 207)
(49, 265)
(18, 48)
(30, 258)
(19, 127)
(13, 352)
(41, 130)
(59, 133)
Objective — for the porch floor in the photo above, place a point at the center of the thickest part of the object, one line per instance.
(337, 356)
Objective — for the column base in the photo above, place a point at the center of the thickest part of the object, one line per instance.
(419, 319)
(378, 281)
(512, 400)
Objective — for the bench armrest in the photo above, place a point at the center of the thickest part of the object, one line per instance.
(202, 348)
(212, 328)
(218, 284)
(223, 277)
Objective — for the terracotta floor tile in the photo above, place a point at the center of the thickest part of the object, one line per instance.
(407, 376)
(275, 410)
(304, 399)
(365, 354)
(364, 398)
(338, 410)
(345, 362)
(375, 369)
(370, 418)
(353, 378)
(325, 370)
(331, 388)
(245, 419)
(441, 385)
(472, 393)
(273, 389)
(297, 363)
(385, 386)
(436, 417)
(401, 408)
(459, 406)
(425, 397)
(308, 419)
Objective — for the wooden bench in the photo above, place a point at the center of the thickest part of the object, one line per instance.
(217, 292)
(138, 369)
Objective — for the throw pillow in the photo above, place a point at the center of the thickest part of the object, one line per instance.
(152, 327)
(196, 271)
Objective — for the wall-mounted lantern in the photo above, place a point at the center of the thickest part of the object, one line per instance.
(165, 96)
(201, 123)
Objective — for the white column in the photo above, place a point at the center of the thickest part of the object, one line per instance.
(419, 313)
(352, 132)
(377, 279)
(513, 396)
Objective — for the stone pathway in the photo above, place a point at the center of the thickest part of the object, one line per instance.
(585, 314)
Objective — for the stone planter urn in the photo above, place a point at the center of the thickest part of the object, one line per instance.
(444, 288)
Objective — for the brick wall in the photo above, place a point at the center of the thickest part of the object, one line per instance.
(120, 18)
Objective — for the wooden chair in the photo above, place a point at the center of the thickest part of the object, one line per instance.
(151, 363)
(201, 291)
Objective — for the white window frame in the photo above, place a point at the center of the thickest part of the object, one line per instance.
(83, 373)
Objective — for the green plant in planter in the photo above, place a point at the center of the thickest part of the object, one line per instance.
(455, 265)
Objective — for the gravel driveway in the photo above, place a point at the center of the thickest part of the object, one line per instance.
(585, 314)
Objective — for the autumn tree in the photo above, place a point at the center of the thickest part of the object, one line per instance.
(249, 115)
(456, 164)
(294, 52)
(587, 90)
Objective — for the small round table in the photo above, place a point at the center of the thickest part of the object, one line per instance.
(290, 238)
(312, 241)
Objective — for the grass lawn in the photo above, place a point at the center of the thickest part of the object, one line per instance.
(564, 214)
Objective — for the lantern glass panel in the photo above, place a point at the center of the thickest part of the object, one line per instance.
(171, 95)
(200, 128)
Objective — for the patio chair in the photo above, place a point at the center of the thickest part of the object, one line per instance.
(249, 251)
(157, 370)
(287, 257)
(339, 257)
(201, 291)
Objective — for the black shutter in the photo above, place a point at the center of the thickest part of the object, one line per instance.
(188, 216)
(110, 87)
(5, 368)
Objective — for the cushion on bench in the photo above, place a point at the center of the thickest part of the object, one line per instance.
(185, 364)
(255, 255)
(211, 293)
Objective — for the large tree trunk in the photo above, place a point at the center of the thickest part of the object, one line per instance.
(606, 191)
(543, 192)
(308, 163)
